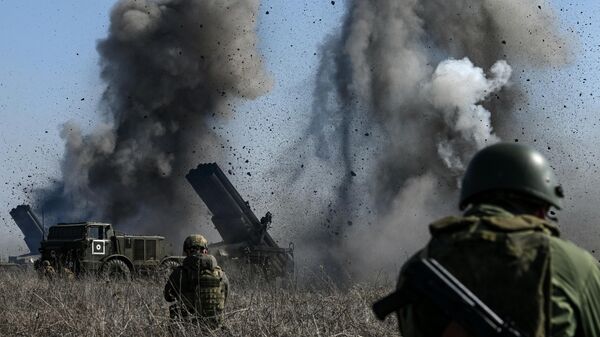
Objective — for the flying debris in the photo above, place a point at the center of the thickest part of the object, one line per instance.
(166, 65)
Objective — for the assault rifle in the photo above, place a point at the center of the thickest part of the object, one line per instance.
(428, 277)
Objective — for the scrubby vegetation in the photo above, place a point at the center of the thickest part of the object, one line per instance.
(30, 306)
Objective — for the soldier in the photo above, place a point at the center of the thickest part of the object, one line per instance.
(199, 285)
(68, 273)
(46, 270)
(507, 251)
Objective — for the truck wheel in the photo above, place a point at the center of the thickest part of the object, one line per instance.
(115, 269)
(165, 269)
(169, 265)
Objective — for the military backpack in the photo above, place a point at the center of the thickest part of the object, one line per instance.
(210, 293)
(503, 259)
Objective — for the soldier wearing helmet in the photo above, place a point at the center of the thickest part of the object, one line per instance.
(46, 270)
(199, 287)
(508, 252)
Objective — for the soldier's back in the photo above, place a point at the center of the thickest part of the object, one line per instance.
(519, 267)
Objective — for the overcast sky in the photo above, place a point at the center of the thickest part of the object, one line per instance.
(49, 74)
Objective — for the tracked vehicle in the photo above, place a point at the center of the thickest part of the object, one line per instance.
(247, 245)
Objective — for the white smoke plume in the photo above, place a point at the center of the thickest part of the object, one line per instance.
(170, 66)
(456, 90)
(428, 81)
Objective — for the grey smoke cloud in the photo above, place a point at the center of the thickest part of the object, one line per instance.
(169, 66)
(488, 30)
(430, 81)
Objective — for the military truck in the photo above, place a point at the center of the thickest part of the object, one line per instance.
(95, 247)
(246, 245)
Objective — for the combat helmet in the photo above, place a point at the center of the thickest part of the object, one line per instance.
(195, 241)
(510, 167)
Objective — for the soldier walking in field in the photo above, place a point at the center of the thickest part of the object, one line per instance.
(507, 251)
(199, 287)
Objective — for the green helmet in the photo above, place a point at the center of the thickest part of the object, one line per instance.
(510, 167)
(195, 241)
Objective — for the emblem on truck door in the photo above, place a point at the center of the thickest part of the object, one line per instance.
(98, 247)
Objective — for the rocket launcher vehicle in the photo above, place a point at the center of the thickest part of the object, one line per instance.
(32, 230)
(246, 241)
(30, 225)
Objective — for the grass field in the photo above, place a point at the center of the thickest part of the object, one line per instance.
(30, 306)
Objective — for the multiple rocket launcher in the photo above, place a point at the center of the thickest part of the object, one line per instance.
(32, 229)
(246, 241)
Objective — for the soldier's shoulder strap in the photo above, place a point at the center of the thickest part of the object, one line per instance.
(452, 224)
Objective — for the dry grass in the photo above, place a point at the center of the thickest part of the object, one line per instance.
(91, 307)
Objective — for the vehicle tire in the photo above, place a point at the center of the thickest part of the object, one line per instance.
(169, 265)
(115, 269)
(165, 269)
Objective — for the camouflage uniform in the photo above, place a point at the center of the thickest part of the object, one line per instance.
(200, 288)
(46, 270)
(512, 260)
(571, 280)
(68, 273)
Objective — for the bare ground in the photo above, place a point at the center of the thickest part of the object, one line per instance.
(89, 307)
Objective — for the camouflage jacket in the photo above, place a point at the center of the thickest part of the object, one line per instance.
(183, 281)
(572, 281)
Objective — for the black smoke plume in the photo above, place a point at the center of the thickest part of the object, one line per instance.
(170, 66)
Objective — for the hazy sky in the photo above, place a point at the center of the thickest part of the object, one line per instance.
(49, 75)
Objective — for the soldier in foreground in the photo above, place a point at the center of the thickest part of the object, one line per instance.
(198, 286)
(508, 253)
